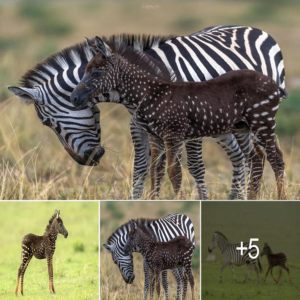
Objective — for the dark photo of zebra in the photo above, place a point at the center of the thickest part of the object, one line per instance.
(233, 257)
(41, 247)
(275, 259)
(161, 256)
(161, 230)
(172, 112)
(198, 57)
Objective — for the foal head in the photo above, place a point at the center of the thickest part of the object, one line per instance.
(57, 224)
(133, 237)
(266, 250)
(99, 76)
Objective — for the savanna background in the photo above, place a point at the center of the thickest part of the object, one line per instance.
(76, 258)
(113, 214)
(33, 163)
(276, 223)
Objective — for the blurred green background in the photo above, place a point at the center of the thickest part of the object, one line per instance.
(33, 164)
(113, 214)
(276, 223)
(76, 258)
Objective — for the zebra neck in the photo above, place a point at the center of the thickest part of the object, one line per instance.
(138, 87)
(223, 245)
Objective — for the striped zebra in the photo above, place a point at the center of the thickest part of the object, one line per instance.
(162, 230)
(200, 56)
(233, 257)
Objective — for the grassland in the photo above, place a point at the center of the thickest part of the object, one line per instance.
(275, 223)
(76, 259)
(34, 165)
(112, 215)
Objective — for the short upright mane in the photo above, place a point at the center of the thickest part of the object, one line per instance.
(50, 222)
(140, 222)
(220, 233)
(70, 54)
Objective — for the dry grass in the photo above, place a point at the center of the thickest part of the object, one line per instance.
(112, 285)
(33, 164)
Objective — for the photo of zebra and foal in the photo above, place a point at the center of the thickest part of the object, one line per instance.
(260, 243)
(144, 249)
(223, 83)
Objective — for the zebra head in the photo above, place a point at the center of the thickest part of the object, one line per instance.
(78, 130)
(123, 261)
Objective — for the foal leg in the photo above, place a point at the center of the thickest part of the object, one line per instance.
(157, 276)
(280, 272)
(152, 283)
(196, 166)
(189, 273)
(174, 153)
(267, 274)
(287, 269)
(23, 272)
(164, 275)
(184, 280)
(50, 273)
(157, 166)
(147, 278)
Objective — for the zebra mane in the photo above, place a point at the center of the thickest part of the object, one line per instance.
(220, 233)
(69, 54)
(141, 222)
(50, 223)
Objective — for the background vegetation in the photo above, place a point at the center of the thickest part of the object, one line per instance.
(33, 164)
(275, 223)
(112, 215)
(76, 258)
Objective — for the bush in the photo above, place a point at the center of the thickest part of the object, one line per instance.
(78, 246)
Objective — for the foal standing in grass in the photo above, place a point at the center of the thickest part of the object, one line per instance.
(41, 247)
(161, 256)
(278, 259)
(173, 112)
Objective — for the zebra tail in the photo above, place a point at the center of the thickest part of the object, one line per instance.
(283, 93)
(259, 265)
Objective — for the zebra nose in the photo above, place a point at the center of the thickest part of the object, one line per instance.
(130, 279)
(93, 155)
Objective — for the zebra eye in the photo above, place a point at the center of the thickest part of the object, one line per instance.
(47, 122)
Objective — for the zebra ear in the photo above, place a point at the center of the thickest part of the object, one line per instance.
(110, 248)
(102, 47)
(26, 95)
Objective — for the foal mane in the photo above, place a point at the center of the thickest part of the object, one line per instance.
(50, 223)
(81, 52)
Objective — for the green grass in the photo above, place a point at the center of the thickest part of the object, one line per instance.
(75, 272)
(275, 223)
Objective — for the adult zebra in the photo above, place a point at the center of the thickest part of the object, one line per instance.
(162, 230)
(201, 56)
(232, 256)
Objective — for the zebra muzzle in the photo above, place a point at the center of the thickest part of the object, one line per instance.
(93, 156)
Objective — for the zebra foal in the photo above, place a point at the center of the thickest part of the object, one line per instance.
(232, 256)
(41, 247)
(172, 112)
(162, 256)
(278, 259)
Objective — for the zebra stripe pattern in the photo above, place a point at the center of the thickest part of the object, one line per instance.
(232, 256)
(162, 230)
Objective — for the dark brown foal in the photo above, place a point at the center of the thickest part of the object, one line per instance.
(41, 247)
(278, 259)
(173, 112)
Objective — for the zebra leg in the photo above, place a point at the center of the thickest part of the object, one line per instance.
(184, 278)
(232, 271)
(164, 275)
(157, 166)
(196, 166)
(147, 278)
(266, 274)
(280, 272)
(141, 157)
(238, 160)
(249, 271)
(287, 269)
(255, 161)
(222, 268)
(178, 277)
(189, 273)
(174, 153)
(50, 273)
(256, 270)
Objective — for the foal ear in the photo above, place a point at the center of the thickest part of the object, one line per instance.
(26, 95)
(57, 213)
(102, 47)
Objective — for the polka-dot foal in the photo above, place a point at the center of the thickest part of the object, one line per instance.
(173, 112)
(41, 247)
(177, 253)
